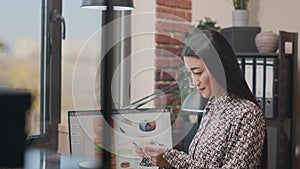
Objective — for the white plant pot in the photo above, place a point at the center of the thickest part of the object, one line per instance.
(240, 18)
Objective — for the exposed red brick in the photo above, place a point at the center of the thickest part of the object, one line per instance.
(169, 63)
(161, 85)
(160, 101)
(181, 14)
(163, 74)
(159, 38)
(163, 62)
(176, 62)
(173, 21)
(163, 53)
(175, 3)
(168, 50)
(180, 37)
(173, 14)
(188, 16)
(176, 111)
(158, 75)
(171, 100)
(186, 4)
(166, 100)
(172, 26)
(168, 76)
(170, 17)
(179, 51)
(165, 39)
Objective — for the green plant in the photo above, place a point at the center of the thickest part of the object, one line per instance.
(183, 91)
(240, 4)
(207, 23)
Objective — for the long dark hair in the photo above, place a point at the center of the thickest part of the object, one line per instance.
(219, 58)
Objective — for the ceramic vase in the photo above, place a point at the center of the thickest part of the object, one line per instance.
(266, 42)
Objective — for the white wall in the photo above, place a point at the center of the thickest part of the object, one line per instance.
(143, 48)
(219, 10)
(272, 15)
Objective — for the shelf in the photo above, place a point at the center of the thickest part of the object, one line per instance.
(275, 73)
(257, 55)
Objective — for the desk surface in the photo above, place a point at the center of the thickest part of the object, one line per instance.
(47, 159)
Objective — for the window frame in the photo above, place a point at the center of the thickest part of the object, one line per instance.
(50, 75)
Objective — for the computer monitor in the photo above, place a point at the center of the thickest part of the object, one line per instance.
(129, 125)
(85, 134)
(152, 125)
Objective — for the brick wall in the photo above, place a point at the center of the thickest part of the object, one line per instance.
(173, 21)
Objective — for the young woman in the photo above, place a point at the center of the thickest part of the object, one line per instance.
(232, 131)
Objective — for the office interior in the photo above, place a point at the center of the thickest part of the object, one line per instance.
(53, 49)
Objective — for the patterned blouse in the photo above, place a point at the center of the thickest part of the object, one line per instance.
(231, 135)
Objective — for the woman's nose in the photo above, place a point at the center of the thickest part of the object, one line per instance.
(197, 82)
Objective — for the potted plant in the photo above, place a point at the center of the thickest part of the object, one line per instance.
(240, 14)
(207, 23)
(240, 4)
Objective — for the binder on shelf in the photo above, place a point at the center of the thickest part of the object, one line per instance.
(269, 111)
(249, 74)
(259, 83)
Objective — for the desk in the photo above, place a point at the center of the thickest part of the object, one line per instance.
(49, 159)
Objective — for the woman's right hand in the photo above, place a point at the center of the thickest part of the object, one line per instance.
(139, 150)
(152, 152)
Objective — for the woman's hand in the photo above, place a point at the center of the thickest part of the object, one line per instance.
(154, 153)
(139, 150)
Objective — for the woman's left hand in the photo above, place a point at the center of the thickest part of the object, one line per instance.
(155, 154)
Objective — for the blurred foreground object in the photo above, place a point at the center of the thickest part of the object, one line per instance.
(13, 105)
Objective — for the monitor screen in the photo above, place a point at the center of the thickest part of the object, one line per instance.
(138, 126)
(85, 133)
(129, 126)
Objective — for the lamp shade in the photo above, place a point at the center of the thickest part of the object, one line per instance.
(118, 5)
(194, 102)
(94, 4)
(121, 5)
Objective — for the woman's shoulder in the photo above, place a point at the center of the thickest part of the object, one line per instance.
(244, 107)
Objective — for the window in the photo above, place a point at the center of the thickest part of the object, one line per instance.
(20, 53)
(31, 52)
(80, 58)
